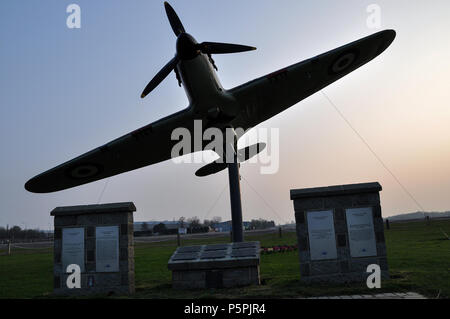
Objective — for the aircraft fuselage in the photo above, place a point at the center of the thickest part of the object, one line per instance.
(207, 97)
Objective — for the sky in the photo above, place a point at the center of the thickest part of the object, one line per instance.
(66, 91)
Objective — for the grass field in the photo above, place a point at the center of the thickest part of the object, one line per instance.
(418, 257)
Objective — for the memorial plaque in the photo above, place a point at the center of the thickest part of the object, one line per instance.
(361, 232)
(322, 239)
(244, 252)
(73, 247)
(189, 249)
(216, 247)
(212, 254)
(244, 245)
(186, 256)
(107, 249)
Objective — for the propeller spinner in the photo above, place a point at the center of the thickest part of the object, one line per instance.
(187, 48)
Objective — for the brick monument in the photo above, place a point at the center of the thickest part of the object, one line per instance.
(340, 232)
(99, 239)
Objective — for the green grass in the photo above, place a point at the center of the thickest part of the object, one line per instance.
(418, 257)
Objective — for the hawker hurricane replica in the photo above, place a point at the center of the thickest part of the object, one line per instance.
(244, 106)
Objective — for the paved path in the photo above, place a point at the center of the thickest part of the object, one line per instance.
(397, 295)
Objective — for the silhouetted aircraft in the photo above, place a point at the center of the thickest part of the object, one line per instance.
(244, 106)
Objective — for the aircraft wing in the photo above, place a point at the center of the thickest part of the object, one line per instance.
(148, 145)
(269, 95)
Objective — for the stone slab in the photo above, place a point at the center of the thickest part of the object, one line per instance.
(335, 190)
(245, 244)
(189, 249)
(215, 266)
(244, 252)
(93, 209)
(186, 256)
(213, 254)
(216, 247)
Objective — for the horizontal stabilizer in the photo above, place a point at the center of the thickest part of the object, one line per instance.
(248, 152)
(219, 165)
(211, 168)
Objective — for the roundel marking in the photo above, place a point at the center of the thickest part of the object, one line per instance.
(343, 62)
(84, 171)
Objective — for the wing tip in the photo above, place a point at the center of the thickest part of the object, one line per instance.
(35, 185)
(390, 34)
(31, 186)
(386, 37)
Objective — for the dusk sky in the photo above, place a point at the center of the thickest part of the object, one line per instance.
(66, 91)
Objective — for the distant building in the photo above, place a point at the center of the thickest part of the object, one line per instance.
(147, 227)
(227, 227)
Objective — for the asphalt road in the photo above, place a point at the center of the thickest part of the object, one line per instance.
(153, 239)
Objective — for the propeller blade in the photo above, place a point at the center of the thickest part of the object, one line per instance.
(165, 71)
(223, 48)
(174, 20)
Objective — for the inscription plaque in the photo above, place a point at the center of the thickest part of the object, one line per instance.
(322, 238)
(73, 247)
(361, 232)
(107, 249)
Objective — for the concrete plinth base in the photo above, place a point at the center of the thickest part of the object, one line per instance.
(215, 266)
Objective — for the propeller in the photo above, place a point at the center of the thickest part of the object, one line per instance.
(222, 48)
(165, 71)
(188, 48)
(174, 20)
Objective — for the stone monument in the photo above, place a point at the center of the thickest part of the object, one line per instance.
(99, 239)
(215, 266)
(340, 232)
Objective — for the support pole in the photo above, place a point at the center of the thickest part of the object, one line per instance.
(235, 198)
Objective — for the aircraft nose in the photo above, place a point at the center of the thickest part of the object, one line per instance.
(187, 47)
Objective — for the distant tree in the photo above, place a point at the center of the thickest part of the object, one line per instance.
(17, 233)
(181, 221)
(15, 229)
(194, 222)
(3, 233)
(207, 223)
(211, 222)
(195, 225)
(160, 228)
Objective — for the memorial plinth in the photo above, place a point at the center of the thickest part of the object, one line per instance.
(215, 266)
(340, 232)
(99, 239)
